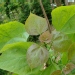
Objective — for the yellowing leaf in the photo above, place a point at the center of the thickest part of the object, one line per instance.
(57, 72)
(35, 25)
(45, 37)
(37, 56)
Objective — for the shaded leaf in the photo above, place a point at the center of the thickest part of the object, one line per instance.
(37, 56)
(71, 53)
(12, 32)
(68, 68)
(35, 25)
(45, 37)
(61, 42)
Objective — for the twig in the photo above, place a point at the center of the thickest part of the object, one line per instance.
(45, 15)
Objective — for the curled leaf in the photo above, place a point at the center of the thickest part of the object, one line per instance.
(37, 55)
(45, 37)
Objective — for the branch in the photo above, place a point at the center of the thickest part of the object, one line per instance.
(45, 15)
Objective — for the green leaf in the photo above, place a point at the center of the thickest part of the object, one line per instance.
(57, 72)
(72, 37)
(37, 56)
(47, 71)
(61, 42)
(71, 53)
(12, 32)
(14, 74)
(50, 69)
(63, 19)
(35, 25)
(69, 27)
(13, 58)
(64, 58)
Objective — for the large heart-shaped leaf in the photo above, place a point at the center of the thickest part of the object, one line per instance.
(35, 25)
(13, 58)
(37, 55)
(12, 32)
(61, 42)
(63, 18)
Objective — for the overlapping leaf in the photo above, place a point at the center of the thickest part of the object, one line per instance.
(35, 25)
(71, 53)
(37, 56)
(61, 42)
(51, 69)
(12, 32)
(13, 58)
(63, 19)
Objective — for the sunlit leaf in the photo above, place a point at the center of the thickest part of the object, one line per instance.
(12, 32)
(45, 37)
(64, 58)
(37, 55)
(48, 70)
(35, 25)
(63, 18)
(13, 59)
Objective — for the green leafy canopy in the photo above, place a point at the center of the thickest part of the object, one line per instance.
(27, 58)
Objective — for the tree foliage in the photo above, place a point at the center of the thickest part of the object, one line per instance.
(55, 55)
